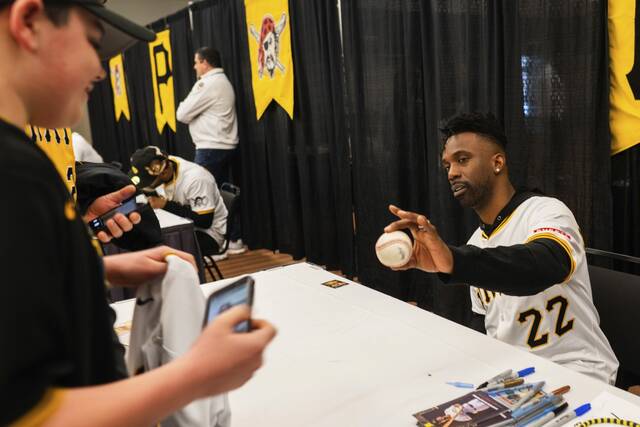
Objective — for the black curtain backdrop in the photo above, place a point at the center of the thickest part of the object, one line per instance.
(365, 133)
(626, 201)
(383, 62)
(117, 141)
(539, 66)
(295, 175)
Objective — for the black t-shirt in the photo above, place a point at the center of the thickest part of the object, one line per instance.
(55, 328)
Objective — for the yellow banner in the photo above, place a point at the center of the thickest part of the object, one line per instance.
(270, 53)
(56, 143)
(119, 87)
(624, 63)
(162, 72)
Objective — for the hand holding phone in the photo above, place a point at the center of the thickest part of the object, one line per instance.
(100, 223)
(236, 293)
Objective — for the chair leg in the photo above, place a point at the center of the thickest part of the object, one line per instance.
(210, 271)
(213, 263)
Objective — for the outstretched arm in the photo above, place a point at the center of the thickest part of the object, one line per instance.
(220, 361)
(522, 269)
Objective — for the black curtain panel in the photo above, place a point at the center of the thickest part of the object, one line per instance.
(386, 103)
(539, 66)
(557, 106)
(295, 176)
(626, 202)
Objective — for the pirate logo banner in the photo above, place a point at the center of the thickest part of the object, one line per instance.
(119, 88)
(162, 73)
(624, 63)
(270, 53)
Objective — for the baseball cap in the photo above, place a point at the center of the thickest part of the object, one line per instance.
(146, 165)
(119, 32)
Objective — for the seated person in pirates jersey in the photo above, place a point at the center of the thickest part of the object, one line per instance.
(526, 263)
(190, 190)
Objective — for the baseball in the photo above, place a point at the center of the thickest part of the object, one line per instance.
(394, 249)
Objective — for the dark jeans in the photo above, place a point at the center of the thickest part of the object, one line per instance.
(215, 161)
(218, 162)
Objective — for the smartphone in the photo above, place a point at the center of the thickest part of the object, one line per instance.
(127, 206)
(236, 293)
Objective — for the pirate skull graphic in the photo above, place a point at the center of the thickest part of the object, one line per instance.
(268, 40)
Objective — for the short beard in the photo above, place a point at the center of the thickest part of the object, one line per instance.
(477, 197)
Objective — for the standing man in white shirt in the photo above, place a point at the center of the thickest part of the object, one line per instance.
(210, 112)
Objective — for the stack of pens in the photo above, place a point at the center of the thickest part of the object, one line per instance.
(504, 400)
(534, 408)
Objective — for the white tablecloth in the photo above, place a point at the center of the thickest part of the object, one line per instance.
(355, 357)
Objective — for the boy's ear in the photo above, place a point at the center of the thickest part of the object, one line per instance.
(26, 19)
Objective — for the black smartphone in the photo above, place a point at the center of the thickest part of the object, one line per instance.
(127, 206)
(236, 293)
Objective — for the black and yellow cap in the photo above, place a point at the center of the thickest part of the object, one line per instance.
(119, 32)
(146, 166)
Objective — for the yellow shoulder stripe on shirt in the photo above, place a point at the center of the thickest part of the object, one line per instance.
(49, 404)
(208, 211)
(565, 245)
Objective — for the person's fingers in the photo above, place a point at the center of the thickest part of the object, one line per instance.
(263, 329)
(425, 226)
(113, 228)
(230, 318)
(407, 215)
(400, 225)
(103, 237)
(186, 256)
(124, 193)
(122, 221)
(160, 253)
(135, 217)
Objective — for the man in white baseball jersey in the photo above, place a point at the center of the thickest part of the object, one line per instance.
(526, 263)
(190, 192)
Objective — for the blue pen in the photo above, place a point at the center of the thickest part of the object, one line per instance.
(460, 385)
(532, 407)
(525, 372)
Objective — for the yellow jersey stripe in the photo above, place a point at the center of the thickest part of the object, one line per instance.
(562, 243)
(208, 211)
(43, 410)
